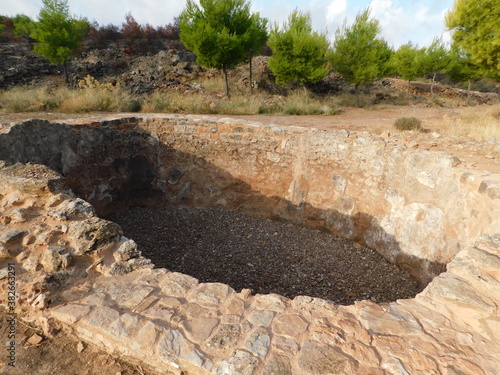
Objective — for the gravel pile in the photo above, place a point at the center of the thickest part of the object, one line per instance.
(243, 251)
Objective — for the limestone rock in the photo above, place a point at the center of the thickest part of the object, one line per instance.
(319, 359)
(241, 363)
(127, 250)
(174, 347)
(93, 233)
(73, 209)
(55, 258)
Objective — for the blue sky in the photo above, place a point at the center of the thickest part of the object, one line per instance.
(401, 20)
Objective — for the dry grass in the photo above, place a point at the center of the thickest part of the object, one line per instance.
(91, 96)
(479, 125)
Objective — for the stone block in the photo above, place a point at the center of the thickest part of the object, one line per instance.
(258, 342)
(318, 358)
(289, 325)
(241, 363)
(175, 348)
(215, 293)
(198, 330)
(70, 313)
(101, 317)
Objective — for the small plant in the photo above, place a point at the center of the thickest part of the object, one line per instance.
(135, 106)
(408, 123)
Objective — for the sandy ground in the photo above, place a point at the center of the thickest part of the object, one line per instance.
(375, 120)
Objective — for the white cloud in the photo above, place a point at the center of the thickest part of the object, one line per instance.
(336, 9)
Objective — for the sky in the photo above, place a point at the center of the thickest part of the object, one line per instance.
(419, 21)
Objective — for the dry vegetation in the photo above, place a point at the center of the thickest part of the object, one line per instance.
(95, 96)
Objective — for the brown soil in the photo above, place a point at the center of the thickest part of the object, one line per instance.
(478, 155)
(57, 355)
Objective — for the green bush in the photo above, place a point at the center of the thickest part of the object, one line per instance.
(408, 123)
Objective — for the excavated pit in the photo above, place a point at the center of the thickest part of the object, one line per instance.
(243, 251)
(327, 182)
(257, 205)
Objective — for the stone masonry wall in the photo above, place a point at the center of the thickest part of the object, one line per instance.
(417, 208)
(77, 272)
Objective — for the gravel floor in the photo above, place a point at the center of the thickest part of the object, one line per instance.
(265, 256)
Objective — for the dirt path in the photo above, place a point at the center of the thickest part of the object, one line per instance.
(473, 154)
(36, 354)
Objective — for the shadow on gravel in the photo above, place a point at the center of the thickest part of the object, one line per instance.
(117, 165)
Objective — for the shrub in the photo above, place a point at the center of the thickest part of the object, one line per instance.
(408, 123)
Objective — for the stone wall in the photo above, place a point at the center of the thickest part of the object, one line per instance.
(77, 272)
(417, 208)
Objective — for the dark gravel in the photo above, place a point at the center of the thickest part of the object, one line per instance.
(243, 251)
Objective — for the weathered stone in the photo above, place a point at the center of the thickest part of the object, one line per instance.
(289, 325)
(272, 302)
(261, 318)
(278, 365)
(198, 330)
(490, 188)
(177, 284)
(55, 258)
(126, 251)
(258, 342)
(11, 236)
(174, 347)
(241, 363)
(125, 326)
(70, 313)
(224, 337)
(318, 359)
(73, 209)
(127, 295)
(234, 305)
(93, 233)
(100, 317)
(210, 292)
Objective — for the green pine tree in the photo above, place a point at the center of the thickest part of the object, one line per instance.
(407, 61)
(299, 54)
(358, 55)
(462, 68)
(475, 27)
(435, 58)
(222, 33)
(58, 34)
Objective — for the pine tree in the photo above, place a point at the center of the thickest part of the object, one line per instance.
(299, 54)
(462, 68)
(222, 33)
(435, 59)
(475, 27)
(58, 34)
(407, 61)
(358, 55)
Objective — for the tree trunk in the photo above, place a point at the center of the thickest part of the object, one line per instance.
(468, 92)
(250, 74)
(432, 85)
(409, 88)
(356, 87)
(226, 84)
(65, 69)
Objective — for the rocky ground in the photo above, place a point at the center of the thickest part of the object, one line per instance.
(216, 245)
(37, 354)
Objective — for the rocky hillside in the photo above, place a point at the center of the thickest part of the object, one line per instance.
(175, 68)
